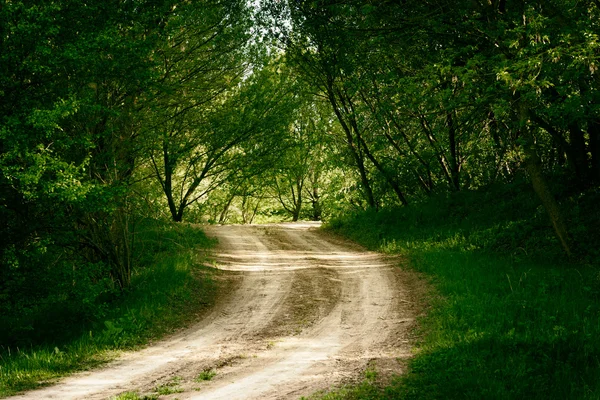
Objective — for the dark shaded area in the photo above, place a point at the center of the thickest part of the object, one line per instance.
(512, 316)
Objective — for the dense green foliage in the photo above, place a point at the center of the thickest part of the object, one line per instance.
(169, 287)
(89, 92)
(511, 317)
(439, 96)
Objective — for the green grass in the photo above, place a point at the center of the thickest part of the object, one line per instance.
(165, 390)
(168, 288)
(510, 316)
(206, 375)
(134, 396)
(366, 390)
(170, 387)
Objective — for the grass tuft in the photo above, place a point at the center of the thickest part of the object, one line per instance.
(206, 375)
(170, 387)
(134, 396)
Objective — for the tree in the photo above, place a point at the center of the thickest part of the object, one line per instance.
(193, 158)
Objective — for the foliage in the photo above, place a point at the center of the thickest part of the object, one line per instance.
(168, 287)
(437, 97)
(511, 317)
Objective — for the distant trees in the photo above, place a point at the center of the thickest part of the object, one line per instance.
(445, 96)
(204, 55)
(217, 141)
(298, 177)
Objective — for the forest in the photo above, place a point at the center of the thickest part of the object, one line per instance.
(463, 135)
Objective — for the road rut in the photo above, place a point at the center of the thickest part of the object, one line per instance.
(308, 311)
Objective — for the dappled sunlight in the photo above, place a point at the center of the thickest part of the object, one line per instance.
(293, 260)
(285, 246)
(300, 225)
(298, 357)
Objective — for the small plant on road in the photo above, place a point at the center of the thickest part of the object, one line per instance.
(169, 387)
(206, 375)
(133, 396)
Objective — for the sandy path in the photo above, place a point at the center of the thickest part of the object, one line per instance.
(309, 311)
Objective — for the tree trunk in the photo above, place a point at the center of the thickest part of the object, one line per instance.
(390, 180)
(454, 164)
(533, 165)
(360, 164)
(298, 208)
(422, 183)
(223, 215)
(366, 185)
(168, 182)
(439, 154)
(580, 162)
(317, 209)
(594, 132)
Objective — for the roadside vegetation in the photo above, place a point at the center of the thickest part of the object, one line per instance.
(511, 316)
(170, 286)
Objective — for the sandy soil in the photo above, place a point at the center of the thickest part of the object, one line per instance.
(308, 311)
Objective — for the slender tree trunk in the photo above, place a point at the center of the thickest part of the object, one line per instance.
(533, 165)
(223, 215)
(360, 163)
(424, 185)
(297, 198)
(391, 181)
(255, 209)
(315, 197)
(297, 206)
(168, 182)
(439, 154)
(454, 164)
(316, 205)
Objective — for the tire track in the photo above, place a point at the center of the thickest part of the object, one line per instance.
(308, 312)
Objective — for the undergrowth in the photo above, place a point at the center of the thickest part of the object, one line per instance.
(511, 317)
(169, 287)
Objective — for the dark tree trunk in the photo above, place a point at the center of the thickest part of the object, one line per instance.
(223, 215)
(439, 154)
(317, 209)
(533, 165)
(167, 184)
(390, 180)
(454, 164)
(579, 162)
(360, 163)
(594, 132)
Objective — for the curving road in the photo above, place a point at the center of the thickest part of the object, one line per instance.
(307, 311)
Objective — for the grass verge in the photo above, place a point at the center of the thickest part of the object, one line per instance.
(168, 290)
(511, 318)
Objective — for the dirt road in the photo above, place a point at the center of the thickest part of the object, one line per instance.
(307, 312)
